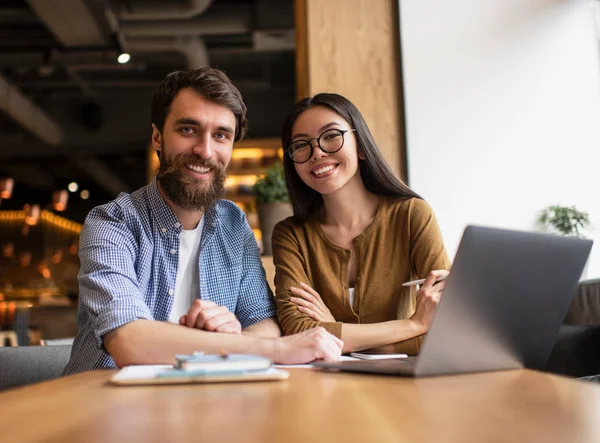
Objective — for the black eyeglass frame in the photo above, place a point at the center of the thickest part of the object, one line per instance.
(318, 139)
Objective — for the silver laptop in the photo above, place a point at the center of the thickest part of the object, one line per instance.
(506, 297)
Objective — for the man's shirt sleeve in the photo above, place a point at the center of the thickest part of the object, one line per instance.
(256, 302)
(108, 287)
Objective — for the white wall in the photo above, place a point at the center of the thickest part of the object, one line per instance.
(503, 111)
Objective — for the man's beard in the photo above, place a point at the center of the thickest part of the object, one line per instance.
(188, 192)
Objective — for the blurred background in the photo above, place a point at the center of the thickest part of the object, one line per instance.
(76, 82)
(488, 109)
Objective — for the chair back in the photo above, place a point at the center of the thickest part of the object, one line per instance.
(23, 365)
(585, 308)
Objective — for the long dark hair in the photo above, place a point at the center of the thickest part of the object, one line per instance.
(376, 174)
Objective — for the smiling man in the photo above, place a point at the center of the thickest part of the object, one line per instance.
(172, 268)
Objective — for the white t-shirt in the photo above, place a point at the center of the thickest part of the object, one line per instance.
(351, 293)
(187, 282)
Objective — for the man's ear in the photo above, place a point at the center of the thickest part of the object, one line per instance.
(156, 140)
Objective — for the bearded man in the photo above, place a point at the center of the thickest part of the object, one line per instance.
(172, 268)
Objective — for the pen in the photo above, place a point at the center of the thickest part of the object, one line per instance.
(420, 282)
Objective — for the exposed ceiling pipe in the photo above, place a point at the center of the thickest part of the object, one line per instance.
(240, 23)
(193, 48)
(169, 11)
(26, 113)
(71, 21)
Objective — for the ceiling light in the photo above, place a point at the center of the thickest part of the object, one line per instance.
(73, 187)
(85, 194)
(123, 58)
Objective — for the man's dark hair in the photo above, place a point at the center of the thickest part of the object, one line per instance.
(211, 84)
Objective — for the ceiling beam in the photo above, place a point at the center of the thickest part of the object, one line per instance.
(192, 48)
(168, 11)
(71, 22)
(27, 114)
(238, 23)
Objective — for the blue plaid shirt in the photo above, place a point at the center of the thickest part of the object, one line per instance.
(129, 256)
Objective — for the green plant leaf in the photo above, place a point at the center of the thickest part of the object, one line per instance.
(567, 220)
(271, 187)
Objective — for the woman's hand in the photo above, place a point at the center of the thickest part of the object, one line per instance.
(428, 299)
(310, 303)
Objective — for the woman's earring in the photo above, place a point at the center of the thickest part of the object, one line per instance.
(361, 156)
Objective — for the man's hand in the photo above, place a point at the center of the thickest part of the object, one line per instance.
(307, 346)
(207, 315)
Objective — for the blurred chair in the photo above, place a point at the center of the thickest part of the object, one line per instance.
(31, 364)
(585, 308)
(576, 352)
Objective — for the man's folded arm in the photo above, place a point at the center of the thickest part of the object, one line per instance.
(108, 283)
(155, 342)
(255, 308)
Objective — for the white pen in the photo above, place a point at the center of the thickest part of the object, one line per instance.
(420, 282)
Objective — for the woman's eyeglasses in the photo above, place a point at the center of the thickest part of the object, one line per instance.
(330, 141)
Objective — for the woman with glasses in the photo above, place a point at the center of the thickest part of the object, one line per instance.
(358, 233)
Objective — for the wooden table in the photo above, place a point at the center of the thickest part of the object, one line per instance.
(312, 406)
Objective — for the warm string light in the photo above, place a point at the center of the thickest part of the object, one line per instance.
(46, 216)
(12, 215)
(61, 222)
(25, 259)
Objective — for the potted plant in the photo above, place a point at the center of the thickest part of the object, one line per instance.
(566, 220)
(272, 203)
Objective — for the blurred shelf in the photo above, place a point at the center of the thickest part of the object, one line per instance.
(241, 198)
(248, 171)
(261, 143)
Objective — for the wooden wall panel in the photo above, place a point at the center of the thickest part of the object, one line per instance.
(351, 47)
